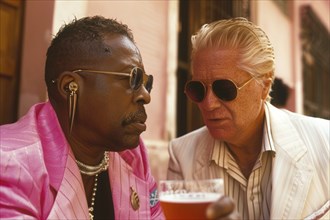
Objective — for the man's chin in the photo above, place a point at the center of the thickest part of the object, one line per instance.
(218, 134)
(126, 143)
(132, 141)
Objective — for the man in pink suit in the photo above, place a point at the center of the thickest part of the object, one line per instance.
(80, 155)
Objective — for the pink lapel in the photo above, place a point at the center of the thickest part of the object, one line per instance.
(55, 146)
(70, 202)
(122, 179)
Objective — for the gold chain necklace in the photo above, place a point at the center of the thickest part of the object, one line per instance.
(91, 208)
(94, 171)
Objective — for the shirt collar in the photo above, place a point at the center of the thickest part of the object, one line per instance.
(268, 143)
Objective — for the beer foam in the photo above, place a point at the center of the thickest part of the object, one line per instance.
(189, 197)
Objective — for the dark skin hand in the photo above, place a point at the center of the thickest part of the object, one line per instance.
(223, 209)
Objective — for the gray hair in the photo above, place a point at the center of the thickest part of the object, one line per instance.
(255, 50)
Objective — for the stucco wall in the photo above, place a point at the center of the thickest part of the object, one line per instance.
(36, 38)
(284, 32)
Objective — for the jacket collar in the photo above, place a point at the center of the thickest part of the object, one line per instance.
(292, 173)
(55, 146)
(203, 154)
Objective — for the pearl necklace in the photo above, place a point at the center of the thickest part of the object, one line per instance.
(94, 171)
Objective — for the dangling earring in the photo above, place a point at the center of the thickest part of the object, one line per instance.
(72, 99)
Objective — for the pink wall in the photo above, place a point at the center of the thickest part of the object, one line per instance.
(148, 21)
(36, 38)
(284, 32)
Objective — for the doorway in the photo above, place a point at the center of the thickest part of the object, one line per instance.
(11, 20)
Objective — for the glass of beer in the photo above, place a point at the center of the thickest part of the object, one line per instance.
(188, 199)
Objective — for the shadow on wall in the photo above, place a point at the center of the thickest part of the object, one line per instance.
(280, 93)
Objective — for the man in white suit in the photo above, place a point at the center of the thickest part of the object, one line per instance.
(275, 163)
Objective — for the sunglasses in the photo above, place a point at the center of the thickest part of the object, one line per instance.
(224, 89)
(137, 77)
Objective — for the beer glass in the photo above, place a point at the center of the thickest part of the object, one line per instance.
(188, 199)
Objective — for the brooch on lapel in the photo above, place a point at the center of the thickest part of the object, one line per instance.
(135, 201)
(154, 198)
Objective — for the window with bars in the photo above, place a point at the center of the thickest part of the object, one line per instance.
(315, 40)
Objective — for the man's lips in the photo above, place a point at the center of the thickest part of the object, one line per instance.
(137, 122)
(216, 119)
(215, 122)
(139, 126)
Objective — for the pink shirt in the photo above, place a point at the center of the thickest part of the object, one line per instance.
(39, 178)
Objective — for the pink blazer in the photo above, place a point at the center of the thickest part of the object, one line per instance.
(40, 179)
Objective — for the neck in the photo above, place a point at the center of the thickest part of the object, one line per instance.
(85, 153)
(247, 151)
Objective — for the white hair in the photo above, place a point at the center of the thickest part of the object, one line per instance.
(256, 53)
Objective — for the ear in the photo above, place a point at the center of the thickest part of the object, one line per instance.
(63, 82)
(267, 82)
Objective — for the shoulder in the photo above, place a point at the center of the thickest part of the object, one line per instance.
(26, 163)
(191, 141)
(22, 133)
(298, 135)
(23, 177)
(306, 126)
(310, 127)
(20, 146)
(20, 142)
(21, 153)
(196, 142)
(198, 135)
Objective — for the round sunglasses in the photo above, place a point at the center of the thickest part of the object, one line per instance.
(137, 77)
(224, 89)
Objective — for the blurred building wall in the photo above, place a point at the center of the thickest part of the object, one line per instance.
(37, 34)
(284, 32)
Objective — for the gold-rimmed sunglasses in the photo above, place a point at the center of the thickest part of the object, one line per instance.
(137, 77)
(224, 89)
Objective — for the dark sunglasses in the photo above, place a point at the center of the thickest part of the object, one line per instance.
(137, 77)
(224, 89)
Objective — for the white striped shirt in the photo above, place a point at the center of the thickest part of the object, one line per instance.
(252, 196)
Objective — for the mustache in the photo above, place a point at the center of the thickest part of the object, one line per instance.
(139, 116)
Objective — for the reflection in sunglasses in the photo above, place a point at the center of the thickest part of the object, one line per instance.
(224, 89)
